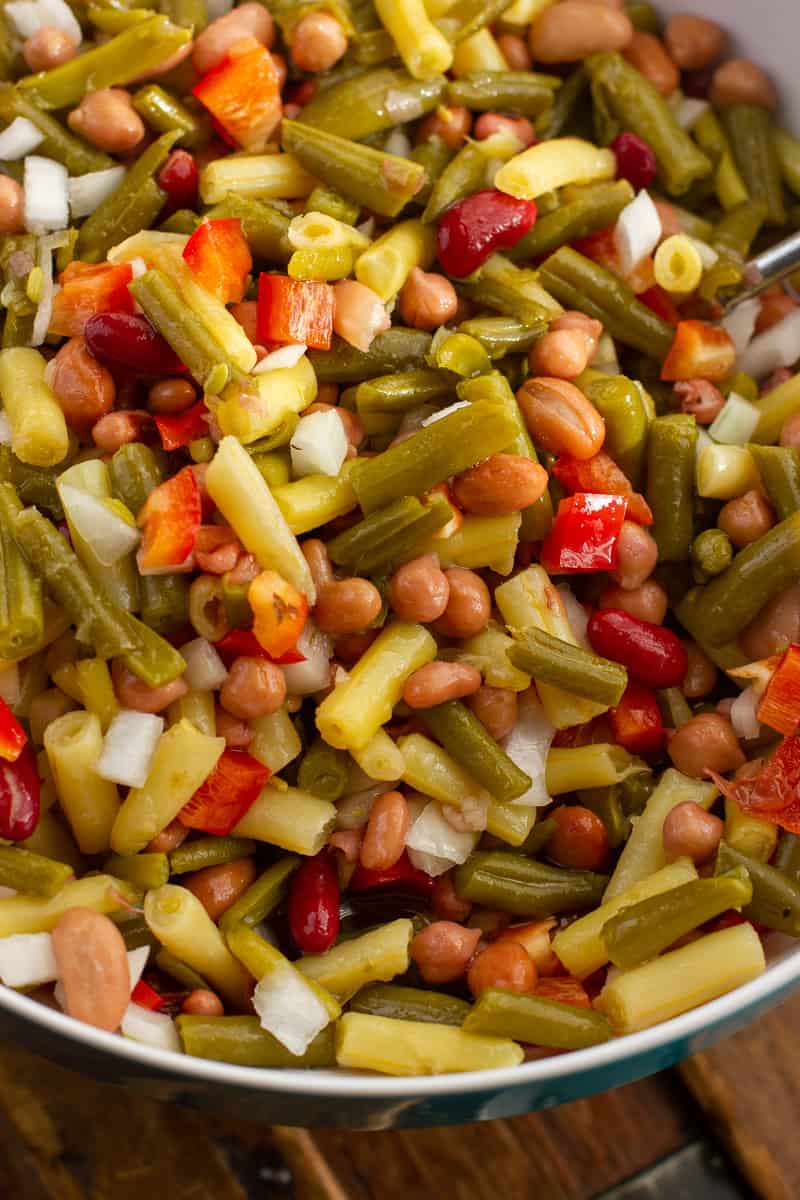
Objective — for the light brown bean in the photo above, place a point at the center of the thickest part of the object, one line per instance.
(108, 120)
(438, 681)
(740, 81)
(701, 674)
(171, 836)
(12, 203)
(575, 29)
(790, 431)
(167, 64)
(315, 553)
(347, 606)
(217, 888)
(246, 311)
(133, 692)
(171, 396)
(746, 518)
(351, 646)
(689, 831)
(646, 52)
(503, 965)
(443, 950)
(317, 41)
(567, 348)
(534, 937)
(700, 399)
(775, 627)
(211, 46)
(560, 418)
(358, 315)
(648, 602)
(469, 605)
(203, 1003)
(254, 688)
(84, 389)
(47, 48)
(385, 836)
(93, 968)
(446, 902)
(497, 709)
(706, 742)
(237, 733)
(515, 52)
(451, 124)
(418, 590)
(580, 841)
(637, 555)
(117, 429)
(489, 123)
(502, 483)
(427, 300)
(694, 42)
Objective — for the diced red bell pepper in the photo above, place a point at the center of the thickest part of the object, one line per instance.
(12, 736)
(294, 310)
(601, 474)
(231, 789)
(636, 721)
(147, 997)
(780, 704)
(219, 257)
(243, 94)
(403, 875)
(279, 610)
(170, 518)
(774, 793)
(182, 428)
(661, 304)
(564, 989)
(86, 290)
(19, 796)
(584, 535)
(601, 247)
(243, 642)
(699, 351)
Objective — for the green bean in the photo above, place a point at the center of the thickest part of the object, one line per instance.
(788, 151)
(758, 573)
(373, 47)
(538, 837)
(209, 852)
(464, 737)
(133, 206)
(500, 336)
(409, 1004)
(750, 129)
(262, 896)
(135, 930)
(184, 221)
(642, 931)
(32, 873)
(401, 392)
(21, 610)
(521, 92)
(164, 113)
(512, 290)
(189, 14)
(238, 612)
(537, 1020)
(578, 283)
(553, 123)
(620, 404)
(432, 454)
(264, 225)
(146, 871)
(572, 668)
(389, 535)
(177, 970)
(636, 104)
(433, 156)
(634, 792)
(324, 200)
(381, 182)
(712, 552)
(372, 103)
(674, 709)
(670, 484)
(164, 602)
(395, 350)
(464, 174)
(459, 353)
(242, 1041)
(776, 898)
(323, 771)
(112, 19)
(518, 885)
(606, 803)
(787, 856)
(584, 210)
(470, 16)
(76, 155)
(779, 468)
(643, 16)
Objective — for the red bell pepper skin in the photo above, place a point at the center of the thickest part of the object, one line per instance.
(179, 430)
(219, 257)
(19, 796)
(170, 519)
(314, 904)
(86, 290)
(780, 704)
(661, 303)
(243, 94)
(699, 351)
(563, 988)
(601, 247)
(652, 655)
(147, 997)
(601, 474)
(584, 535)
(230, 791)
(13, 737)
(636, 721)
(294, 310)
(403, 876)
(279, 612)
(238, 642)
(774, 793)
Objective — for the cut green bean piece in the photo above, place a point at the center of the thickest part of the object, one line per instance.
(164, 113)
(461, 21)
(409, 1004)
(787, 856)
(433, 156)
(779, 468)
(500, 336)
(373, 102)
(776, 897)
(146, 871)
(262, 896)
(242, 1041)
(21, 609)
(263, 224)
(670, 484)
(674, 709)
(512, 290)
(76, 155)
(566, 100)
(323, 771)
(395, 350)
(712, 552)
(324, 200)
(180, 971)
(403, 391)
(461, 733)
(209, 852)
(537, 1020)
(389, 535)
(187, 335)
(750, 129)
(526, 888)
(584, 211)
(521, 92)
(621, 405)
(606, 802)
(32, 873)
(464, 174)
(572, 668)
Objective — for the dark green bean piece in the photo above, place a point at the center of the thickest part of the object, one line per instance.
(372, 103)
(787, 856)
(184, 221)
(526, 888)
(373, 47)
(712, 552)
(21, 610)
(76, 155)
(433, 156)
(586, 210)
(776, 897)
(521, 92)
(606, 803)
(403, 391)
(179, 971)
(242, 1041)
(395, 350)
(189, 14)
(643, 16)
(500, 336)
(146, 871)
(264, 225)
(165, 113)
(135, 930)
(750, 130)
(262, 896)
(736, 230)
(674, 709)
(465, 737)
(670, 484)
(537, 1020)
(409, 1004)
(323, 200)
(635, 791)
(389, 535)
(464, 174)
(550, 660)
(164, 602)
(32, 873)
(510, 289)
(209, 852)
(620, 404)
(238, 612)
(323, 771)
(565, 101)
(538, 838)
(470, 16)
(779, 468)
(187, 335)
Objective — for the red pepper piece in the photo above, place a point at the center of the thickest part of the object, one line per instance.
(127, 339)
(661, 303)
(240, 642)
(636, 721)
(699, 351)
(147, 997)
(294, 310)
(179, 430)
(564, 989)
(227, 794)
(219, 257)
(171, 517)
(279, 612)
(584, 534)
(636, 160)
(402, 875)
(87, 289)
(601, 474)
(480, 224)
(653, 655)
(774, 793)
(179, 179)
(314, 904)
(243, 94)
(12, 736)
(19, 796)
(780, 704)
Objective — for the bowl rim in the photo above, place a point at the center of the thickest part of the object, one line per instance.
(333, 1084)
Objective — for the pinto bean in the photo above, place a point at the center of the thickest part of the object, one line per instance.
(47, 48)
(84, 389)
(701, 674)
(559, 416)
(418, 590)
(217, 888)
(580, 841)
(443, 950)
(317, 41)
(700, 399)
(108, 120)
(171, 836)
(646, 52)
(637, 555)
(445, 901)
(93, 968)
(117, 429)
(567, 348)
(438, 681)
(775, 627)
(707, 741)
(648, 602)
(740, 81)
(502, 965)
(496, 709)
(12, 200)
(385, 837)
(515, 52)
(133, 692)
(502, 483)
(347, 606)
(203, 1003)
(469, 605)
(171, 396)
(521, 128)
(237, 733)
(427, 299)
(694, 42)
(746, 518)
(211, 46)
(254, 688)
(574, 29)
(450, 124)
(689, 831)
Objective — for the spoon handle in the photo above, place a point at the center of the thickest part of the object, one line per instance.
(770, 267)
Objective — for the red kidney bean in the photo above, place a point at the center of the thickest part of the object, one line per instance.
(636, 161)
(478, 225)
(179, 177)
(314, 904)
(19, 796)
(129, 340)
(653, 655)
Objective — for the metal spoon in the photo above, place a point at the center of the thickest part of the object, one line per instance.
(768, 268)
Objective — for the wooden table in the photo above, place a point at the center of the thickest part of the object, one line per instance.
(63, 1137)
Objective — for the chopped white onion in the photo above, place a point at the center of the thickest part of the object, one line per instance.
(9, 684)
(431, 864)
(777, 347)
(205, 670)
(445, 412)
(137, 961)
(286, 356)
(527, 746)
(638, 232)
(605, 358)
(87, 192)
(740, 324)
(743, 714)
(289, 1009)
(735, 422)
(48, 289)
(28, 16)
(398, 143)
(25, 17)
(19, 138)
(576, 614)
(708, 255)
(402, 106)
(109, 536)
(155, 1029)
(5, 430)
(689, 111)
(302, 679)
(46, 204)
(319, 445)
(128, 747)
(27, 960)
(432, 834)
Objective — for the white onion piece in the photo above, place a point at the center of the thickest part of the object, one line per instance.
(778, 347)
(429, 863)
(576, 614)
(740, 324)
(605, 358)
(288, 1008)
(205, 670)
(708, 255)
(137, 961)
(735, 422)
(445, 412)
(25, 17)
(46, 204)
(109, 536)
(302, 679)
(319, 445)
(58, 15)
(743, 714)
(638, 232)
(138, 267)
(87, 192)
(27, 960)
(687, 110)
(527, 746)
(129, 746)
(432, 834)
(402, 106)
(44, 309)
(286, 356)
(398, 143)
(5, 430)
(9, 684)
(155, 1029)
(18, 139)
